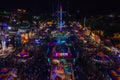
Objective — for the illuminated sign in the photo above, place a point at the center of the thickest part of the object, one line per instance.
(61, 54)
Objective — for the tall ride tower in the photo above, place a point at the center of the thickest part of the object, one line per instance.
(60, 15)
(61, 21)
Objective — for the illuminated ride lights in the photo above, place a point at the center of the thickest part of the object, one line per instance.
(61, 54)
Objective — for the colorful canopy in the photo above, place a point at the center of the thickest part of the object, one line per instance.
(114, 73)
(4, 71)
(23, 54)
(101, 57)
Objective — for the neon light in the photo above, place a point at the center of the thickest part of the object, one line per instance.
(66, 54)
(59, 54)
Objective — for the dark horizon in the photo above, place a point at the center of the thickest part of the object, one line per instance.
(85, 7)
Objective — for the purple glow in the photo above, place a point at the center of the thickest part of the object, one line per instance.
(60, 19)
(119, 55)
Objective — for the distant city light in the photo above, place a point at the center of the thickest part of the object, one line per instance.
(111, 15)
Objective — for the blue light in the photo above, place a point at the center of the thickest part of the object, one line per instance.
(4, 25)
(63, 41)
(37, 41)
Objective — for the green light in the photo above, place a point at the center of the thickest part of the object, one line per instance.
(48, 59)
(5, 12)
(69, 44)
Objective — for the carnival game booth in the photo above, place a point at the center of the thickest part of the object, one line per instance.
(8, 73)
(61, 63)
(114, 74)
(100, 57)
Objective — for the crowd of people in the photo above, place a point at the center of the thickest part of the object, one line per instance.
(84, 67)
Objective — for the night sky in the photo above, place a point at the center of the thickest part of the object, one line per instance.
(73, 6)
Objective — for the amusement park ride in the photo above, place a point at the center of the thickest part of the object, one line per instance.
(61, 58)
